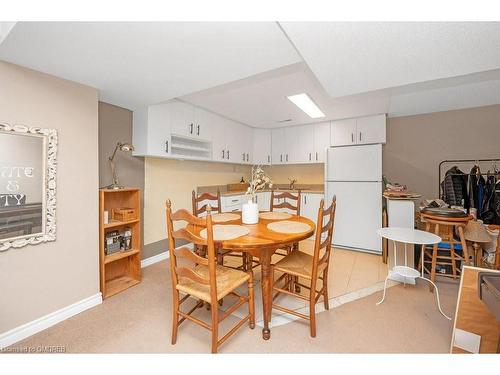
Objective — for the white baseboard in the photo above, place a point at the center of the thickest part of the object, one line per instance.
(20, 333)
(159, 257)
(154, 259)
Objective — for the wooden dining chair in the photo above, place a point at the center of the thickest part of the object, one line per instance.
(209, 200)
(311, 268)
(286, 199)
(282, 200)
(204, 280)
(199, 210)
(212, 201)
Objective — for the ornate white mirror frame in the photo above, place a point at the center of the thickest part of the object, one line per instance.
(48, 231)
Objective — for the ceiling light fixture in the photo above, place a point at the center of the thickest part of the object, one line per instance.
(305, 103)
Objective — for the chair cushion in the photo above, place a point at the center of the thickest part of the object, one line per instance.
(297, 263)
(227, 280)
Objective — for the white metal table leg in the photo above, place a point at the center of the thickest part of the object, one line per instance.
(437, 297)
(385, 287)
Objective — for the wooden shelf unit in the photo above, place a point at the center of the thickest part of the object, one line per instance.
(120, 270)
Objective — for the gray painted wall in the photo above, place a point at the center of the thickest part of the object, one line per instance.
(417, 144)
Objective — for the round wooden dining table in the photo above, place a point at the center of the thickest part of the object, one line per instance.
(262, 243)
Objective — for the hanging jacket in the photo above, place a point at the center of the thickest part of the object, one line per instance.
(454, 188)
(476, 188)
(490, 210)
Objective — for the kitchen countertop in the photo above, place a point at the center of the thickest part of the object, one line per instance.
(233, 193)
(305, 189)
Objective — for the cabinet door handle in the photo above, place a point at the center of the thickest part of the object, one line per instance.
(243, 156)
(223, 156)
(166, 146)
(268, 158)
(305, 199)
(360, 136)
(191, 128)
(247, 157)
(281, 158)
(309, 156)
(286, 157)
(352, 137)
(227, 156)
(198, 130)
(316, 156)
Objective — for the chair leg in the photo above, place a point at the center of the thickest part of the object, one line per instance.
(312, 316)
(215, 327)
(295, 284)
(251, 303)
(325, 290)
(175, 316)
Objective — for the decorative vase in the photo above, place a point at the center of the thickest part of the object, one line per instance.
(250, 213)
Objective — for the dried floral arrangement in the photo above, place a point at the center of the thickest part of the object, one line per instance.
(258, 180)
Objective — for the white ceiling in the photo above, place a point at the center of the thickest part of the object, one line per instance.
(261, 100)
(244, 71)
(135, 64)
(355, 57)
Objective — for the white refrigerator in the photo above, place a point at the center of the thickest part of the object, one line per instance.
(354, 175)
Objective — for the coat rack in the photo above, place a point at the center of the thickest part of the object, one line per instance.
(453, 162)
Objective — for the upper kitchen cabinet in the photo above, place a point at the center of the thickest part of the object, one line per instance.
(371, 129)
(261, 146)
(190, 121)
(321, 141)
(302, 142)
(246, 135)
(204, 122)
(363, 130)
(158, 132)
(343, 132)
(278, 146)
(181, 118)
(232, 142)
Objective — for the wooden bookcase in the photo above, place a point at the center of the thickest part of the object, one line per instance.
(120, 270)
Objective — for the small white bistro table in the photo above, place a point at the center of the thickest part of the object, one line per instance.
(409, 236)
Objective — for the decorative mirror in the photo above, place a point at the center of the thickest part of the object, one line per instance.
(27, 185)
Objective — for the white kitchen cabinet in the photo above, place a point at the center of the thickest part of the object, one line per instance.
(321, 141)
(235, 142)
(246, 137)
(262, 146)
(304, 144)
(232, 142)
(219, 134)
(343, 132)
(278, 146)
(363, 130)
(232, 203)
(263, 199)
(310, 204)
(371, 129)
(181, 118)
(204, 123)
(290, 147)
(158, 139)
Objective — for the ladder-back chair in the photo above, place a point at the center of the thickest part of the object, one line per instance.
(311, 268)
(203, 279)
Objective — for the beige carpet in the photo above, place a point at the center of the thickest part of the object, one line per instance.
(139, 320)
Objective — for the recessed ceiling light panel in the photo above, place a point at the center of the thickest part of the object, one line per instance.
(305, 103)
